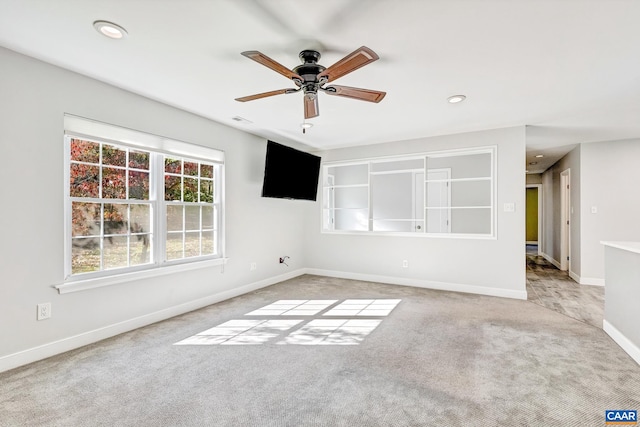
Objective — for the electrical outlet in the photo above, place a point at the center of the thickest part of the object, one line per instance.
(253, 266)
(44, 311)
(405, 264)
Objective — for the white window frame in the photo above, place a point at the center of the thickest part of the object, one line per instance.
(326, 189)
(81, 128)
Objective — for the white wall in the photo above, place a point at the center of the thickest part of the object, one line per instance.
(34, 97)
(610, 183)
(534, 178)
(493, 266)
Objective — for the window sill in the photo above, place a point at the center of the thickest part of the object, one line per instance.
(98, 282)
(412, 234)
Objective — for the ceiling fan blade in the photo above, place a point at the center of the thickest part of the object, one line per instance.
(311, 107)
(264, 95)
(355, 93)
(263, 59)
(356, 59)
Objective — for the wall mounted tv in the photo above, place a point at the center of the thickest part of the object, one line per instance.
(290, 173)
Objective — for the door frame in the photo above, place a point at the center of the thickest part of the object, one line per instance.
(540, 218)
(565, 220)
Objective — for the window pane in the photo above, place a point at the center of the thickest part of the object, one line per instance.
(114, 183)
(115, 219)
(113, 156)
(192, 218)
(192, 244)
(115, 252)
(463, 166)
(208, 247)
(190, 190)
(172, 165)
(85, 219)
(206, 191)
(393, 196)
(349, 175)
(84, 180)
(351, 219)
(139, 249)
(140, 218)
(351, 197)
(85, 151)
(398, 165)
(471, 193)
(138, 185)
(174, 246)
(174, 218)
(191, 168)
(472, 221)
(206, 171)
(139, 159)
(172, 188)
(85, 255)
(207, 218)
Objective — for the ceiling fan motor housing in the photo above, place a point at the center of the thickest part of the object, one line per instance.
(310, 68)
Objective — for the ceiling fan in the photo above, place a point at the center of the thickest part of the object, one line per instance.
(311, 77)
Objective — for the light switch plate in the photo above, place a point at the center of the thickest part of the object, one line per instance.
(509, 207)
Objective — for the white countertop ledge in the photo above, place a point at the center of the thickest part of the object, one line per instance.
(625, 246)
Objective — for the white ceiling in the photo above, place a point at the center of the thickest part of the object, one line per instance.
(569, 69)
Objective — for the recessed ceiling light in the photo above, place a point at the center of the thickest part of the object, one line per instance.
(109, 29)
(533, 163)
(456, 98)
(540, 156)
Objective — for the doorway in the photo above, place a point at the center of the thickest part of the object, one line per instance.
(533, 214)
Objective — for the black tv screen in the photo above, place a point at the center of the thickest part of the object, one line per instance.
(290, 173)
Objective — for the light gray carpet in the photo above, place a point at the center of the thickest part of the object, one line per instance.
(438, 359)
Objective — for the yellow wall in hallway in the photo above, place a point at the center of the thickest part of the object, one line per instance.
(532, 215)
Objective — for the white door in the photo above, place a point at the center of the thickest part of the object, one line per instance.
(418, 202)
(565, 218)
(438, 196)
(330, 208)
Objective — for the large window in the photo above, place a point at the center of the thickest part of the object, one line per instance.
(133, 208)
(436, 194)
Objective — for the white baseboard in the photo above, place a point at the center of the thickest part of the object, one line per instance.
(629, 347)
(592, 281)
(574, 276)
(551, 260)
(418, 283)
(56, 347)
(531, 242)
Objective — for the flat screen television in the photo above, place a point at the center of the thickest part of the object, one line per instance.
(290, 173)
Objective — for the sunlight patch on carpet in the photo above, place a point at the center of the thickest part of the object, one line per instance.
(349, 329)
(293, 308)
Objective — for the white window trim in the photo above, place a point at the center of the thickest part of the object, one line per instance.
(493, 235)
(130, 276)
(91, 129)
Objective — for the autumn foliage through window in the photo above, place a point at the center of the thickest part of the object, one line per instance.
(121, 219)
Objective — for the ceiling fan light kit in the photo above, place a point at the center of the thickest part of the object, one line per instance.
(311, 78)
